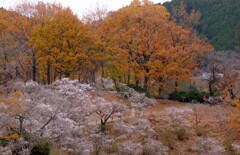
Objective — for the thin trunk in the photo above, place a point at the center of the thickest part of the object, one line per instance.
(145, 84)
(79, 78)
(54, 76)
(176, 87)
(102, 71)
(160, 89)
(210, 89)
(120, 79)
(5, 62)
(146, 78)
(48, 74)
(128, 77)
(232, 94)
(20, 125)
(43, 127)
(27, 76)
(16, 72)
(34, 69)
(137, 81)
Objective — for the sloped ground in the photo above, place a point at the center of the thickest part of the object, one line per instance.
(138, 126)
(211, 136)
(207, 127)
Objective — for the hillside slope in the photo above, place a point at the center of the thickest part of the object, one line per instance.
(218, 22)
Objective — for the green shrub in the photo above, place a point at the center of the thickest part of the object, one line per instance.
(3, 142)
(228, 145)
(118, 89)
(188, 96)
(121, 89)
(27, 136)
(216, 93)
(137, 88)
(181, 134)
(41, 148)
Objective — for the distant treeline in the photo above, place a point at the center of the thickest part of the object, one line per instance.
(219, 22)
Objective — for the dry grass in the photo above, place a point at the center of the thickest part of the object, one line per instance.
(213, 123)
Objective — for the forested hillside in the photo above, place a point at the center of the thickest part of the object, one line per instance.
(220, 20)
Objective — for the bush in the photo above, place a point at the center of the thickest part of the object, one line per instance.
(167, 137)
(202, 132)
(137, 88)
(228, 145)
(188, 96)
(3, 142)
(41, 148)
(26, 136)
(181, 134)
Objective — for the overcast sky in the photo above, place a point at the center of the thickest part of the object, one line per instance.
(81, 6)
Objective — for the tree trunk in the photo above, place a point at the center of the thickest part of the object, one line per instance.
(102, 71)
(210, 89)
(20, 125)
(5, 62)
(137, 81)
(79, 78)
(34, 69)
(48, 74)
(120, 79)
(145, 86)
(176, 87)
(232, 94)
(128, 77)
(54, 75)
(160, 93)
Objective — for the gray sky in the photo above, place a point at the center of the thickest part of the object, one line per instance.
(81, 6)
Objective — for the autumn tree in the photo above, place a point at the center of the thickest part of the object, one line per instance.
(131, 31)
(7, 49)
(62, 43)
(151, 46)
(20, 23)
(102, 53)
(228, 85)
(20, 26)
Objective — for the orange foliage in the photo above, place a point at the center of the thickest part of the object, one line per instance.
(152, 46)
(11, 137)
(228, 85)
(138, 43)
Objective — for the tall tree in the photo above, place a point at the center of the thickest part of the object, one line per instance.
(61, 43)
(21, 22)
(155, 48)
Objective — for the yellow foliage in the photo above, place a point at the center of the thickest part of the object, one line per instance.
(235, 118)
(11, 137)
(13, 103)
(235, 102)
